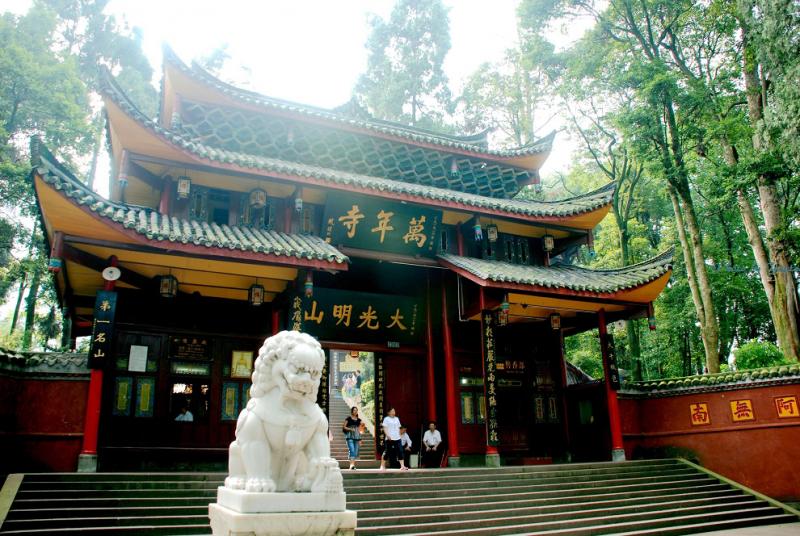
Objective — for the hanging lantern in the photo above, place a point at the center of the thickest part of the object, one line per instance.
(478, 230)
(258, 198)
(555, 321)
(298, 204)
(168, 286)
(502, 317)
(184, 187)
(255, 295)
(309, 284)
(454, 168)
(548, 243)
(590, 244)
(491, 233)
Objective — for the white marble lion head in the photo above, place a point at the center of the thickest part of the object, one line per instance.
(292, 362)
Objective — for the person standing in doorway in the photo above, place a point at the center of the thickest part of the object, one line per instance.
(394, 451)
(352, 434)
(357, 397)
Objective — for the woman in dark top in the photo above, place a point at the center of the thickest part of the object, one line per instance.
(352, 433)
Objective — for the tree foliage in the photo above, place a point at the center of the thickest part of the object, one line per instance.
(405, 79)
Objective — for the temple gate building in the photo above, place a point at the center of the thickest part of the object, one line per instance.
(233, 215)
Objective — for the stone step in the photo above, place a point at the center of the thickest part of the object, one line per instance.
(637, 498)
(423, 477)
(512, 502)
(599, 524)
(563, 512)
(480, 488)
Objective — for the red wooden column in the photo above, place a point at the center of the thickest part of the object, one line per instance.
(492, 455)
(276, 321)
(430, 385)
(165, 203)
(615, 424)
(451, 386)
(559, 335)
(87, 459)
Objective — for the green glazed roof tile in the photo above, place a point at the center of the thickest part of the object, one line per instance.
(721, 381)
(474, 143)
(160, 228)
(513, 207)
(562, 276)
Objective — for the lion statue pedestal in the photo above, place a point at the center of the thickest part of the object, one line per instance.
(282, 479)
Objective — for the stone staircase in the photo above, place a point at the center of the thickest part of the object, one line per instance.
(338, 412)
(661, 497)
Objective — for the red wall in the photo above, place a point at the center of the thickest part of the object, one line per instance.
(763, 454)
(41, 423)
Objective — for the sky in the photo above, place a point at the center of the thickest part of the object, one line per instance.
(312, 51)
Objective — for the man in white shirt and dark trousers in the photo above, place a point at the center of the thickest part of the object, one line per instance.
(431, 455)
(394, 449)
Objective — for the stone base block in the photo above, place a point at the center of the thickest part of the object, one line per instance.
(252, 503)
(87, 463)
(492, 460)
(617, 455)
(227, 522)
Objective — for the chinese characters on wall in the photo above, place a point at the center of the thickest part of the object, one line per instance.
(490, 379)
(785, 407)
(102, 328)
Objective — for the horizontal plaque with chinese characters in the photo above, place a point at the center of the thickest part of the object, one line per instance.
(343, 315)
(189, 347)
(379, 225)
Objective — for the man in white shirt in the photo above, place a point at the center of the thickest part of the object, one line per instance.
(431, 456)
(185, 415)
(394, 449)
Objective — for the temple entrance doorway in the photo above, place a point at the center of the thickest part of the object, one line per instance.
(352, 383)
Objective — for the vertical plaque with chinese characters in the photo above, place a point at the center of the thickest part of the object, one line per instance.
(105, 306)
(490, 378)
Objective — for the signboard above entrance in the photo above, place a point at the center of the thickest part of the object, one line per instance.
(378, 225)
(360, 317)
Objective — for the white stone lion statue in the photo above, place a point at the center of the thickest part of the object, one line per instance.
(282, 435)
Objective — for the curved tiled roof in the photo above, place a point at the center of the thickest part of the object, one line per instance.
(157, 227)
(562, 276)
(473, 143)
(540, 209)
(70, 362)
(722, 381)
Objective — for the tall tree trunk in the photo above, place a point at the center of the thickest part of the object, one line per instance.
(631, 331)
(787, 310)
(30, 310)
(709, 325)
(691, 276)
(20, 293)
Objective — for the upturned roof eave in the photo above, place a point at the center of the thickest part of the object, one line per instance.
(546, 213)
(660, 265)
(106, 212)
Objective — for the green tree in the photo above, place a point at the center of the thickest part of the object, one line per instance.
(405, 80)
